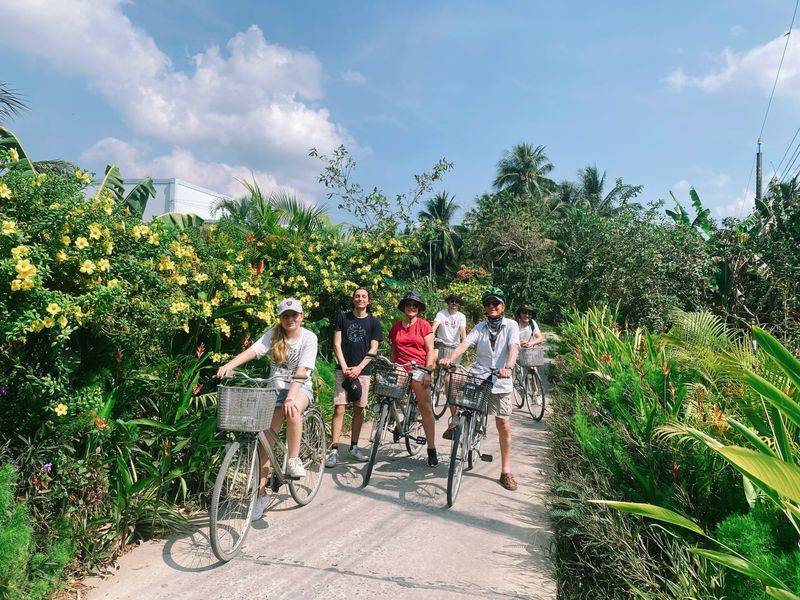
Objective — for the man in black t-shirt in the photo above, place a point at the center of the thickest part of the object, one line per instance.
(356, 333)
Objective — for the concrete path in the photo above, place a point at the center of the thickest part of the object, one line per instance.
(395, 538)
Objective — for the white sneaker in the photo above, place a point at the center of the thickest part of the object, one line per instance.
(260, 506)
(332, 458)
(358, 454)
(294, 468)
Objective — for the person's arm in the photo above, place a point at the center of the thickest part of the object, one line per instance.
(537, 338)
(240, 359)
(373, 349)
(511, 361)
(430, 356)
(470, 340)
(462, 333)
(392, 337)
(435, 327)
(337, 349)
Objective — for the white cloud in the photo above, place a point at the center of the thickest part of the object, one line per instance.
(736, 31)
(741, 207)
(247, 101)
(220, 177)
(353, 77)
(753, 68)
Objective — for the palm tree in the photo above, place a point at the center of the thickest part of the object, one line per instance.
(443, 241)
(591, 185)
(10, 103)
(523, 171)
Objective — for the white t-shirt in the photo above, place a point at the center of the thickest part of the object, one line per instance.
(301, 353)
(527, 332)
(449, 325)
(489, 358)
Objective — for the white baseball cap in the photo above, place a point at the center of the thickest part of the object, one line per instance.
(289, 304)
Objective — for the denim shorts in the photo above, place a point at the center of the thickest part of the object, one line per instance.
(282, 396)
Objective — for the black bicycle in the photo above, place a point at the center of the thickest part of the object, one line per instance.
(528, 382)
(470, 394)
(391, 383)
(439, 390)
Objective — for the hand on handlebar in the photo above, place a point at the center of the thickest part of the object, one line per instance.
(225, 371)
(504, 373)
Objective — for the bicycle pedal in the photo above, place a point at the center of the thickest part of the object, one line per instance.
(420, 439)
(290, 478)
(487, 457)
(397, 434)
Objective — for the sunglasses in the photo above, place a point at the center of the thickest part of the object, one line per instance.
(416, 305)
(455, 302)
(489, 303)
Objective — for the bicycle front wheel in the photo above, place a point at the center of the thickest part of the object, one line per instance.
(312, 453)
(413, 427)
(378, 430)
(458, 454)
(438, 395)
(535, 393)
(519, 378)
(233, 498)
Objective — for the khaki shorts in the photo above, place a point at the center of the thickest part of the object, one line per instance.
(499, 405)
(340, 396)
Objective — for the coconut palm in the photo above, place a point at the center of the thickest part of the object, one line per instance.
(523, 171)
(10, 103)
(439, 234)
(591, 188)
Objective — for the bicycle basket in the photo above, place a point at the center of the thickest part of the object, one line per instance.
(468, 391)
(531, 357)
(245, 408)
(391, 382)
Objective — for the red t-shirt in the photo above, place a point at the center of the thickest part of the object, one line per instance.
(409, 342)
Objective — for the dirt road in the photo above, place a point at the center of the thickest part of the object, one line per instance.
(395, 538)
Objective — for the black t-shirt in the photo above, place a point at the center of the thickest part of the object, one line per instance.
(357, 333)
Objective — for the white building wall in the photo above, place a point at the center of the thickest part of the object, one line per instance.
(176, 195)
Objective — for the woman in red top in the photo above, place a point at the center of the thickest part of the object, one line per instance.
(412, 339)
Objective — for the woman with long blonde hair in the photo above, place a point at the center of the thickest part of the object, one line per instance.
(292, 353)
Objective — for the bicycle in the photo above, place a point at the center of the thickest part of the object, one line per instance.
(246, 410)
(391, 383)
(438, 396)
(531, 390)
(470, 394)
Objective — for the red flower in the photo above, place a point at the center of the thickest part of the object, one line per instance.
(201, 349)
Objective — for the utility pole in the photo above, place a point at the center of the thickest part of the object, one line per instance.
(758, 171)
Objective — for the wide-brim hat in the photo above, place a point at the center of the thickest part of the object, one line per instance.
(352, 389)
(414, 297)
(289, 304)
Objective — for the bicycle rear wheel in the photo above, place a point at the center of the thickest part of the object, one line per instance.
(535, 393)
(379, 425)
(312, 453)
(413, 427)
(438, 395)
(233, 498)
(458, 454)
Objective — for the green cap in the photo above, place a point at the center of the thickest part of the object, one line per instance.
(494, 292)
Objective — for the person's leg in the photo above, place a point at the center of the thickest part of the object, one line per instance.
(339, 405)
(500, 408)
(294, 426)
(358, 410)
(423, 396)
(504, 433)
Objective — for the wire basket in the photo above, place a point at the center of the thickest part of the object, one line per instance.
(391, 381)
(531, 357)
(445, 349)
(245, 408)
(468, 391)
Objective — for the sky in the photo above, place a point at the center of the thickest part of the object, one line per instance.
(667, 95)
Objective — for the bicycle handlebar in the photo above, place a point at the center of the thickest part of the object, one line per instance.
(385, 361)
(243, 375)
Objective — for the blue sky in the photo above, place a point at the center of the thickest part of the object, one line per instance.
(665, 95)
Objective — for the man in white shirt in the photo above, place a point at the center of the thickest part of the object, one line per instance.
(450, 324)
(496, 342)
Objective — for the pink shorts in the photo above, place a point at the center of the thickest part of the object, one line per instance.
(340, 396)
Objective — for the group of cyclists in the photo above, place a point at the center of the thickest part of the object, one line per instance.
(292, 351)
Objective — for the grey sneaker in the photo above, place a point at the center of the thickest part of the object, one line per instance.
(294, 468)
(260, 506)
(358, 454)
(332, 458)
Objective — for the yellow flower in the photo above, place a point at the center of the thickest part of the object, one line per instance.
(13, 155)
(95, 232)
(48, 322)
(25, 269)
(27, 284)
(185, 327)
(19, 252)
(109, 247)
(53, 308)
(15, 285)
(180, 279)
(84, 177)
(178, 307)
(61, 410)
(239, 257)
(65, 239)
(5, 191)
(82, 243)
(61, 256)
(112, 283)
(40, 178)
(62, 321)
(200, 277)
(223, 326)
(8, 227)
(153, 239)
(245, 324)
(88, 267)
(165, 264)
(36, 327)
(103, 264)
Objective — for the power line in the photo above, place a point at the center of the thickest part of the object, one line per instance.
(777, 75)
(778, 168)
